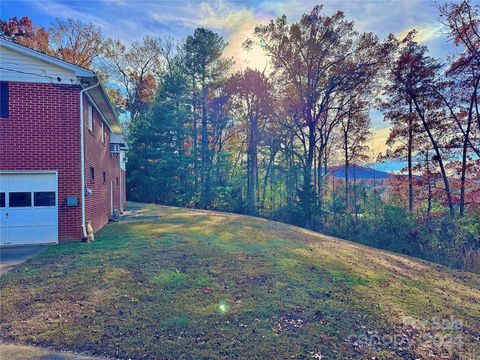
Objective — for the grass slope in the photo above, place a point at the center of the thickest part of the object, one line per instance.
(178, 283)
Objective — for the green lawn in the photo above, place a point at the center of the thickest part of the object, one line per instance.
(194, 284)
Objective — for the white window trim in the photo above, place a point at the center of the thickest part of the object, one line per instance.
(90, 117)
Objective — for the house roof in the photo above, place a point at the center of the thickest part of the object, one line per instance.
(109, 114)
(78, 70)
(85, 77)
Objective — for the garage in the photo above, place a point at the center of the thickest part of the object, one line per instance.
(28, 208)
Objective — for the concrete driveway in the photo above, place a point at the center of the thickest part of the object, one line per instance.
(12, 256)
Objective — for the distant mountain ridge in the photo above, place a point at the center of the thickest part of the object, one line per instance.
(358, 172)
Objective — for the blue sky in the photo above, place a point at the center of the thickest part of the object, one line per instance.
(130, 20)
(235, 20)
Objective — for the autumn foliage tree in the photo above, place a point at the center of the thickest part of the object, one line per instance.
(24, 32)
(460, 91)
(316, 57)
(134, 69)
(76, 42)
(251, 97)
(70, 40)
(414, 75)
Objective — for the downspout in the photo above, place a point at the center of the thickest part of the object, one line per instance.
(82, 156)
(120, 182)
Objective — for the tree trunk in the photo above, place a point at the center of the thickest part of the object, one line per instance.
(374, 195)
(355, 205)
(184, 183)
(439, 156)
(325, 189)
(295, 177)
(252, 166)
(464, 155)
(315, 190)
(220, 176)
(291, 175)
(205, 180)
(429, 186)
(264, 192)
(195, 137)
(409, 150)
(269, 172)
(475, 97)
(272, 193)
(320, 178)
(347, 164)
(307, 177)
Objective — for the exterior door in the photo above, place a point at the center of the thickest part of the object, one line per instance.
(28, 208)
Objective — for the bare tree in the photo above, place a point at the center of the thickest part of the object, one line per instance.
(77, 42)
(134, 70)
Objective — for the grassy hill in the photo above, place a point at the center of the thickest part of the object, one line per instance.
(170, 283)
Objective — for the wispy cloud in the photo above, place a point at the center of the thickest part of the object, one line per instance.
(425, 32)
(56, 9)
(131, 20)
(237, 24)
(378, 140)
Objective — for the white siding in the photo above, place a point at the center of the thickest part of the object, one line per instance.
(19, 67)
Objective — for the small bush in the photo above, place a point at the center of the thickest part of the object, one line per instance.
(453, 242)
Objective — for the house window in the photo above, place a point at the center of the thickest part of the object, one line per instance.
(2, 199)
(3, 99)
(104, 178)
(92, 174)
(117, 180)
(90, 117)
(103, 134)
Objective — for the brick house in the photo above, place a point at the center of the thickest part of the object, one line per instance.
(62, 162)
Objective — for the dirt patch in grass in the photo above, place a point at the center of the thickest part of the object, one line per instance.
(181, 283)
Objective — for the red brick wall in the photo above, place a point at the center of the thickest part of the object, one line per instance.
(97, 155)
(42, 133)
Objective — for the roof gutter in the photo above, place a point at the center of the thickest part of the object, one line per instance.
(82, 156)
(110, 105)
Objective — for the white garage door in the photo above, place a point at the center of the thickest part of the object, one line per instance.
(28, 208)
